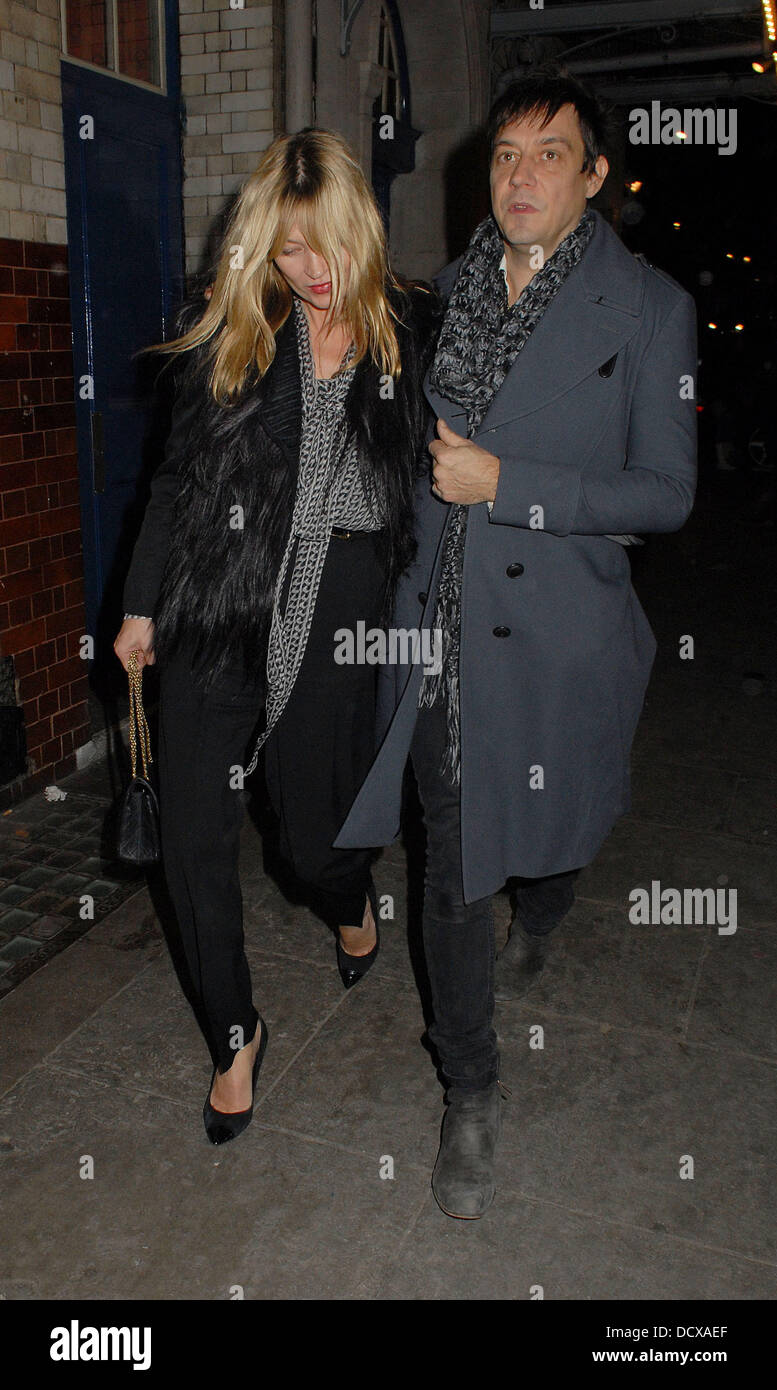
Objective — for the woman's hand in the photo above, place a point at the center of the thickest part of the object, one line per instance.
(135, 634)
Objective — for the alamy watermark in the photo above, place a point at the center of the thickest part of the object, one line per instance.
(695, 125)
(394, 646)
(77, 1343)
(686, 907)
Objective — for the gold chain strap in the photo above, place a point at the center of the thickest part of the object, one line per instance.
(137, 717)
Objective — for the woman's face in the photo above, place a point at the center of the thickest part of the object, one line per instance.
(305, 271)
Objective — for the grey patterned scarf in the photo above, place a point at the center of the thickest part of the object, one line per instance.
(480, 338)
(330, 492)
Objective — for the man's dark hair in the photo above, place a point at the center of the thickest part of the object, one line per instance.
(542, 93)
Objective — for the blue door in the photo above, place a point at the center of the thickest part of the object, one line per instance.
(123, 184)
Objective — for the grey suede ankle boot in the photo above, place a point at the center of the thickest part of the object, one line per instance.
(463, 1177)
(519, 963)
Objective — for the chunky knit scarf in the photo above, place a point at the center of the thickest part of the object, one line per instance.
(481, 336)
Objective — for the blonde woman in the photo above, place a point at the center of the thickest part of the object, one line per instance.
(282, 513)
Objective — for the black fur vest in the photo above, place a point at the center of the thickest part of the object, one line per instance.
(219, 577)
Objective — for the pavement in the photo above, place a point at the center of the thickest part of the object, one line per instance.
(638, 1150)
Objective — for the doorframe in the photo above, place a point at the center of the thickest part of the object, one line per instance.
(171, 233)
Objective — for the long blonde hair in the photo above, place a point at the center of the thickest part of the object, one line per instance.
(312, 179)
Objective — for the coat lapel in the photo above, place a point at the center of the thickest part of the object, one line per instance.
(594, 314)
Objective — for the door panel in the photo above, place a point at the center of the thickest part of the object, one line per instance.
(126, 279)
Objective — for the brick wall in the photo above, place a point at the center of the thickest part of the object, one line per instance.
(41, 569)
(229, 76)
(32, 160)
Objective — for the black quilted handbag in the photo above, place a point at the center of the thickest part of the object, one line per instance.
(138, 837)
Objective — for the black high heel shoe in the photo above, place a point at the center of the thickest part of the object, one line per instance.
(354, 968)
(223, 1125)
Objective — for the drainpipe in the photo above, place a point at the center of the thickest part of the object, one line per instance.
(299, 64)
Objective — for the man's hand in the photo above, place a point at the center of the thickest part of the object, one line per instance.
(462, 471)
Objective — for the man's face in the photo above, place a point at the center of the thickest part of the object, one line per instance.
(538, 189)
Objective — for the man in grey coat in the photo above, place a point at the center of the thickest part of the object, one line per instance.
(563, 386)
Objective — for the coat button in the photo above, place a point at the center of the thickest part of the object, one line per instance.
(513, 571)
(501, 632)
(422, 597)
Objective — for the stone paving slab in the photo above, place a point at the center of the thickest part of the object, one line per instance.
(55, 1002)
(167, 1216)
(568, 1254)
(601, 1120)
(637, 852)
(147, 1036)
(310, 1216)
(369, 1082)
(604, 969)
(734, 1004)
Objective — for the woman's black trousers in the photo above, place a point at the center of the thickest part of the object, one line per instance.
(316, 759)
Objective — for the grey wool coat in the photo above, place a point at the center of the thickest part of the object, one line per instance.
(595, 423)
